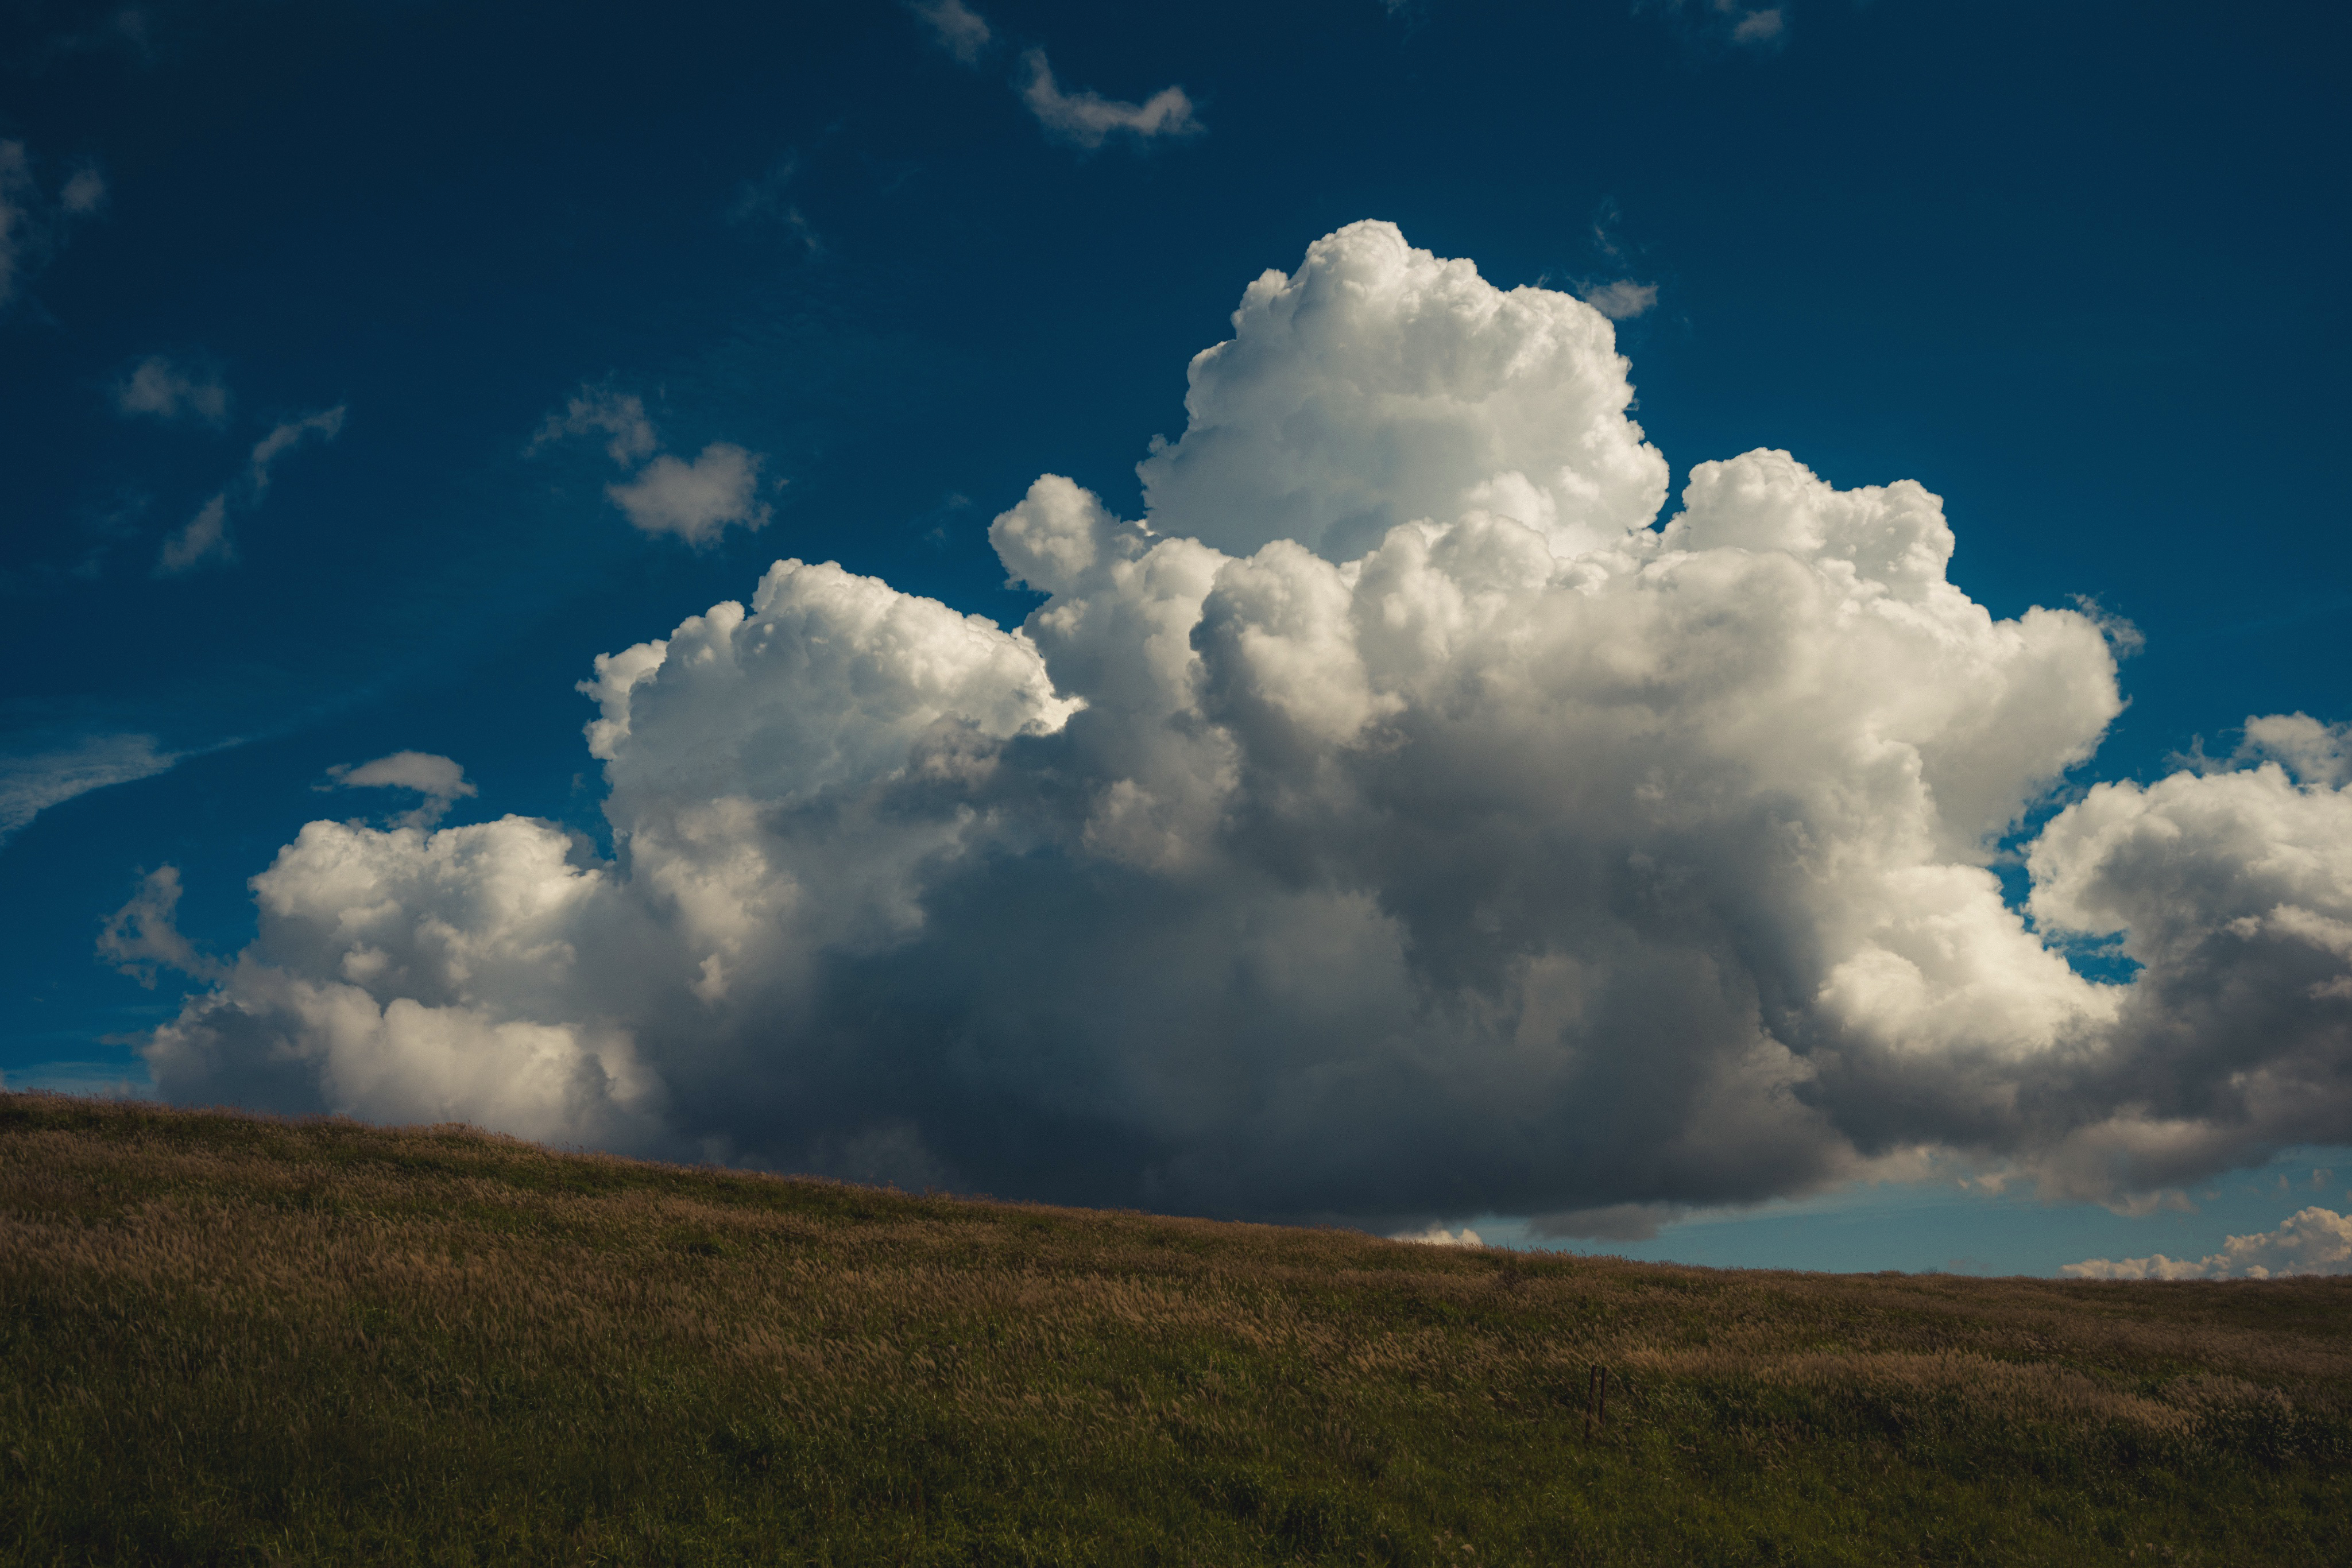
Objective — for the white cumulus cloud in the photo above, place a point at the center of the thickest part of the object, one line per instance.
(1088, 118)
(2315, 752)
(1408, 819)
(2314, 1241)
(1436, 1235)
(1380, 385)
(507, 913)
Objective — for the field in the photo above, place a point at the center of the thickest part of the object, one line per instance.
(229, 1339)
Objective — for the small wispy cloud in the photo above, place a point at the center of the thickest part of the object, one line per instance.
(1734, 22)
(35, 779)
(438, 780)
(601, 410)
(1085, 118)
(326, 425)
(1621, 298)
(162, 390)
(205, 538)
(696, 501)
(957, 29)
(32, 224)
(202, 540)
(142, 939)
(83, 192)
(1088, 118)
(765, 198)
(1622, 301)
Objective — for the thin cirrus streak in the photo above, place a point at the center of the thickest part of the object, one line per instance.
(1399, 825)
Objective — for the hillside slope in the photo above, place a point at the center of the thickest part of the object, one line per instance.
(230, 1339)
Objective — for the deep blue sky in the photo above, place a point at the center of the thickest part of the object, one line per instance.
(2077, 267)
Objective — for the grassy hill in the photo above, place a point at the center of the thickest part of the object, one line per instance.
(229, 1339)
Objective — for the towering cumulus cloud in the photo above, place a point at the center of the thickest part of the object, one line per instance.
(1399, 823)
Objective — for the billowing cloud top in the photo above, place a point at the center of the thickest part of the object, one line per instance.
(1398, 823)
(1379, 385)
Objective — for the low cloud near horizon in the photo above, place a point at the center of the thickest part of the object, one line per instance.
(2312, 1241)
(1413, 817)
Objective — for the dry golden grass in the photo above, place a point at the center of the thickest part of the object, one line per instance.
(234, 1339)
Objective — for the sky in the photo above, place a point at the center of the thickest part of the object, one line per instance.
(1699, 630)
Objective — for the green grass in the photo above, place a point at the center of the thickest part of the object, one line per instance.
(230, 1339)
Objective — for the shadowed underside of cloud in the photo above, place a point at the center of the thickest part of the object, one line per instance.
(1398, 823)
